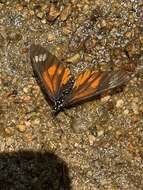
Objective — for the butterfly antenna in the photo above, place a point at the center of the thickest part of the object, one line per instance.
(56, 120)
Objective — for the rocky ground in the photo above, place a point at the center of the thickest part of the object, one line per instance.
(94, 146)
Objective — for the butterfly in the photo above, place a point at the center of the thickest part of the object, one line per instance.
(62, 88)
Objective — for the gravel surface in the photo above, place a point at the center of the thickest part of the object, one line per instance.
(95, 146)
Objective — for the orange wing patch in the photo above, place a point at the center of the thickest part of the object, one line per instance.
(82, 78)
(89, 85)
(52, 69)
(55, 77)
(66, 76)
(47, 81)
(96, 83)
(60, 69)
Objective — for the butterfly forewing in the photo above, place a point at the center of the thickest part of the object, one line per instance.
(50, 71)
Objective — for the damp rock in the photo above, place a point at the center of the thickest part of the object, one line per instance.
(53, 13)
(65, 13)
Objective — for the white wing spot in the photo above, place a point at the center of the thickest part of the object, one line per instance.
(40, 57)
(44, 57)
(36, 59)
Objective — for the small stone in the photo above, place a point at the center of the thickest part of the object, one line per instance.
(19, 7)
(76, 144)
(118, 134)
(126, 112)
(1, 5)
(135, 108)
(31, 12)
(128, 34)
(74, 59)
(91, 139)
(103, 23)
(65, 13)
(51, 37)
(44, 21)
(40, 15)
(21, 127)
(53, 13)
(135, 118)
(67, 30)
(105, 99)
(100, 133)
(28, 137)
(120, 103)
(26, 98)
(36, 121)
(9, 131)
(24, 50)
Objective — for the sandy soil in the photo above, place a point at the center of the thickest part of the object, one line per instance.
(95, 146)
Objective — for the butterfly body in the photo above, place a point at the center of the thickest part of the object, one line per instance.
(62, 88)
(60, 100)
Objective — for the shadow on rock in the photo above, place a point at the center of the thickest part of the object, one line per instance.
(33, 171)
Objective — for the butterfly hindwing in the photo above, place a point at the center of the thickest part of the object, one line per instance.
(50, 71)
(90, 84)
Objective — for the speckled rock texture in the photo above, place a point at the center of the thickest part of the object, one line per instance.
(95, 146)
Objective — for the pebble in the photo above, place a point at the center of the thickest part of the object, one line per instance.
(136, 118)
(105, 99)
(53, 13)
(51, 37)
(120, 103)
(100, 133)
(91, 139)
(9, 131)
(40, 15)
(25, 90)
(19, 7)
(65, 13)
(126, 112)
(74, 59)
(67, 30)
(21, 128)
(24, 50)
(44, 21)
(135, 107)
